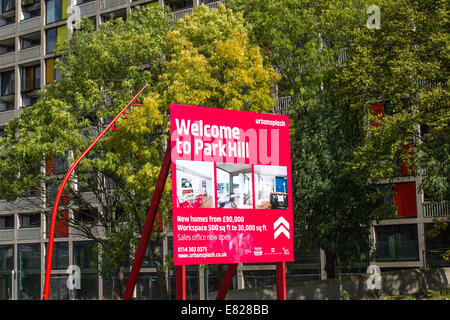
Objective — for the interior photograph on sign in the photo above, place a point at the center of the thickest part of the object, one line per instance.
(195, 181)
(234, 186)
(271, 188)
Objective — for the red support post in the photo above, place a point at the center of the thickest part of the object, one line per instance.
(180, 276)
(48, 268)
(281, 280)
(226, 282)
(149, 222)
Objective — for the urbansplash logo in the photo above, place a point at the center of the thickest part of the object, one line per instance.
(273, 123)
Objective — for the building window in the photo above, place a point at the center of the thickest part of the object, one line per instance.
(8, 5)
(174, 5)
(51, 72)
(60, 260)
(31, 78)
(7, 84)
(56, 10)
(397, 243)
(436, 244)
(28, 101)
(85, 216)
(30, 40)
(51, 40)
(55, 37)
(6, 266)
(7, 12)
(29, 275)
(6, 105)
(7, 90)
(29, 220)
(85, 256)
(6, 222)
(31, 9)
(7, 46)
(114, 15)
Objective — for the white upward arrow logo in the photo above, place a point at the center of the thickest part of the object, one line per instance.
(283, 227)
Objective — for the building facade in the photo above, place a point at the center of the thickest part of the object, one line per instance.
(29, 33)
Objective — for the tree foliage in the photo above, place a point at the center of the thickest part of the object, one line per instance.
(405, 66)
(204, 59)
(112, 187)
(212, 63)
(308, 43)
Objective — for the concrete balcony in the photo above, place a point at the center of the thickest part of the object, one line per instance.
(22, 204)
(29, 53)
(29, 234)
(7, 235)
(7, 30)
(106, 4)
(29, 24)
(7, 58)
(87, 8)
(5, 116)
(432, 210)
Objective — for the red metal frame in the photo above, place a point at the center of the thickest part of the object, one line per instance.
(148, 227)
(226, 282)
(180, 276)
(48, 269)
(281, 280)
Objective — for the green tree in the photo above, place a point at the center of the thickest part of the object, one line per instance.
(333, 209)
(112, 187)
(308, 43)
(212, 63)
(405, 66)
(205, 59)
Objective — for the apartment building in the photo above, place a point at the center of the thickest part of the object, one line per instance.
(29, 33)
(404, 241)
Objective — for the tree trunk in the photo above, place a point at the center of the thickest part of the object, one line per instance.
(330, 259)
(121, 277)
(160, 270)
(339, 267)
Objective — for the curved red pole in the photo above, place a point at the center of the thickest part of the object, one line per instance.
(48, 269)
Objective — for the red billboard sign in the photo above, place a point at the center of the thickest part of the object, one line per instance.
(231, 182)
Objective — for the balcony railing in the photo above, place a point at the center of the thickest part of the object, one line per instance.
(180, 13)
(213, 5)
(282, 105)
(431, 210)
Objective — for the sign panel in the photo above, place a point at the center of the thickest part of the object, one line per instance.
(231, 182)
